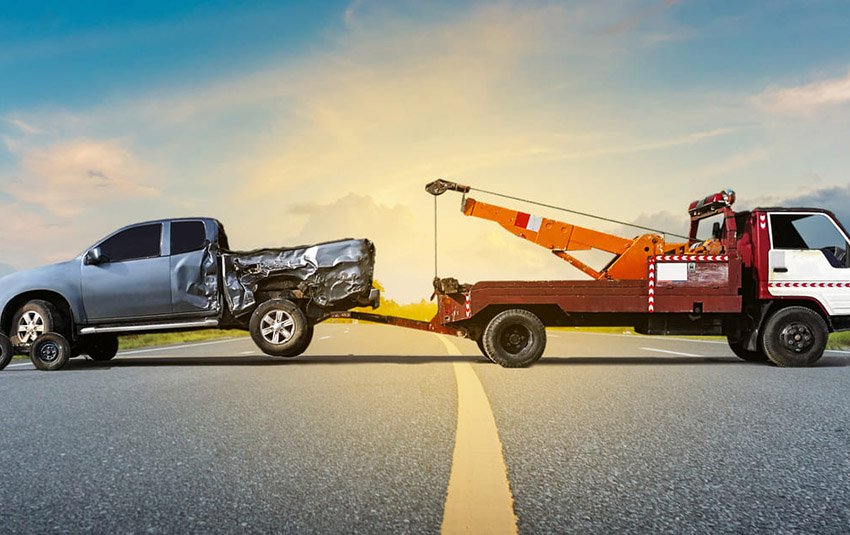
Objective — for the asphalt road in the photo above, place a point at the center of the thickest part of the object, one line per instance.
(606, 434)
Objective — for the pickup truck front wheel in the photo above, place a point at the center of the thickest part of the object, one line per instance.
(32, 320)
(280, 328)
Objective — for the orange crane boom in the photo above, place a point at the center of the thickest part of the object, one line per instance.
(630, 261)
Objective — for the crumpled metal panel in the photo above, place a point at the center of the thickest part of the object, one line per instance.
(190, 292)
(331, 274)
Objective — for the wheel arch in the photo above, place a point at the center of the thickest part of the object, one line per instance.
(812, 304)
(55, 298)
(549, 314)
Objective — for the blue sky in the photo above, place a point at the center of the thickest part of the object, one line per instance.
(306, 121)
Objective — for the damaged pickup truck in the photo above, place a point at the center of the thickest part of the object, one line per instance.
(180, 274)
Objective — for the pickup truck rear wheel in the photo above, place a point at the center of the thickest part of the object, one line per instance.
(515, 338)
(50, 352)
(737, 347)
(34, 319)
(5, 350)
(101, 347)
(280, 328)
(795, 337)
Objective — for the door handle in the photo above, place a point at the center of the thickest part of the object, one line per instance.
(780, 270)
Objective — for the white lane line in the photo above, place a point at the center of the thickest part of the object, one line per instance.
(639, 336)
(837, 351)
(21, 364)
(181, 346)
(670, 352)
(478, 498)
(324, 338)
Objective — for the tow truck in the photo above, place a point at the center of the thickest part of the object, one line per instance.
(774, 281)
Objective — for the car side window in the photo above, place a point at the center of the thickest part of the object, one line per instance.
(810, 231)
(187, 236)
(133, 243)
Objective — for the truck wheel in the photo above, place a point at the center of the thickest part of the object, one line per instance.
(795, 337)
(515, 338)
(480, 343)
(50, 352)
(34, 319)
(6, 351)
(101, 347)
(737, 347)
(280, 328)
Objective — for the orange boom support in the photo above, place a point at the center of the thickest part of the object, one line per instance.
(561, 238)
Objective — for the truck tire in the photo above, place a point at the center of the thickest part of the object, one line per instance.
(34, 319)
(6, 351)
(794, 337)
(515, 338)
(100, 347)
(50, 352)
(737, 347)
(480, 343)
(280, 328)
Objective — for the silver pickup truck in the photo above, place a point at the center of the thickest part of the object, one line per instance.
(180, 274)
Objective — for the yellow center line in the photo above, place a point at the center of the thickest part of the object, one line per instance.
(479, 498)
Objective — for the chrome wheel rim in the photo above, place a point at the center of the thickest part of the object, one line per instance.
(277, 327)
(30, 326)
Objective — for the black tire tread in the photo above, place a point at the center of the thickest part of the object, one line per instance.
(54, 320)
(737, 347)
(6, 351)
(781, 357)
(299, 342)
(502, 358)
(61, 360)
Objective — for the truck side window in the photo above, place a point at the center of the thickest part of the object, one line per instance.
(810, 231)
(187, 236)
(133, 243)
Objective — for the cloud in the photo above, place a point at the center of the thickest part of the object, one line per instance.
(348, 17)
(833, 198)
(69, 177)
(24, 127)
(735, 162)
(806, 99)
(469, 249)
(634, 20)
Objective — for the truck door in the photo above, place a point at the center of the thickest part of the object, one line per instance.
(132, 280)
(808, 258)
(194, 269)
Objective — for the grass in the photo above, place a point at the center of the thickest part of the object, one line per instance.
(839, 340)
(135, 341)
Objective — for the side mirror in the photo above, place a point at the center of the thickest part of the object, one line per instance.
(715, 231)
(94, 257)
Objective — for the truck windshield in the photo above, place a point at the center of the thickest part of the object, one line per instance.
(809, 231)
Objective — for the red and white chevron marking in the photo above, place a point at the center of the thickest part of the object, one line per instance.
(468, 308)
(763, 221)
(808, 285)
(651, 278)
(692, 258)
